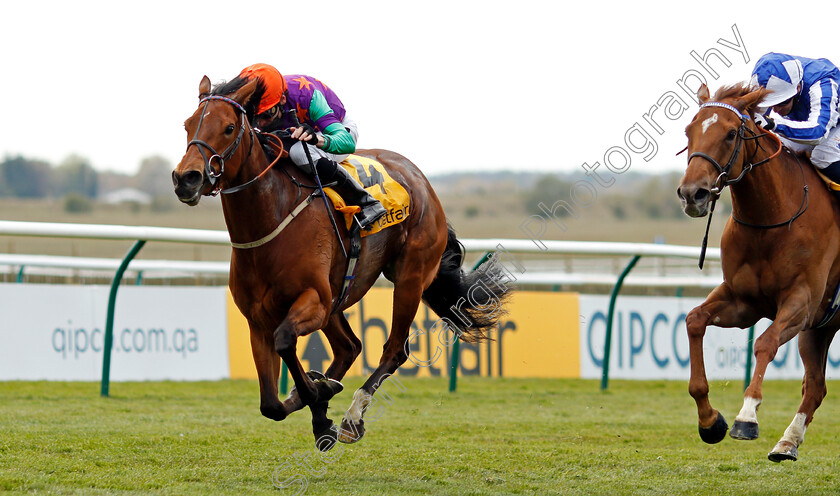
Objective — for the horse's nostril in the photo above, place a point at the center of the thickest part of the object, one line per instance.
(191, 179)
(701, 195)
(679, 194)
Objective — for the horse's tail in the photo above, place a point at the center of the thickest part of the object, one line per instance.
(470, 302)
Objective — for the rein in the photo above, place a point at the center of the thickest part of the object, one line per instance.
(723, 179)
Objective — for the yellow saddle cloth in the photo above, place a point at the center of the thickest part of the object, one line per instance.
(376, 180)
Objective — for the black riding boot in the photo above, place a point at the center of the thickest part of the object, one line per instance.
(832, 171)
(352, 192)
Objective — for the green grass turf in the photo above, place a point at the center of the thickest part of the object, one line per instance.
(494, 436)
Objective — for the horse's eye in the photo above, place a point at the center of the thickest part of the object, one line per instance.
(730, 135)
(229, 129)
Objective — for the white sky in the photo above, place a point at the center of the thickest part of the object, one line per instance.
(454, 86)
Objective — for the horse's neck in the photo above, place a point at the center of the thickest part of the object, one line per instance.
(258, 209)
(770, 193)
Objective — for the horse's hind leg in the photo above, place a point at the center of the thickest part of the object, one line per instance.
(789, 321)
(813, 348)
(407, 296)
(344, 344)
(414, 272)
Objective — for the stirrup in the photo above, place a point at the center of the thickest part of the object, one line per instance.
(370, 214)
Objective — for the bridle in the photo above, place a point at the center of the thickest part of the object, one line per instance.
(723, 179)
(212, 177)
(210, 174)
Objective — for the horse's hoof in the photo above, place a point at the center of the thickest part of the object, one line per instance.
(294, 397)
(316, 375)
(293, 403)
(745, 431)
(327, 388)
(715, 433)
(350, 431)
(326, 439)
(780, 453)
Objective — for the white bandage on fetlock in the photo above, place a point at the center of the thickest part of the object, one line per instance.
(361, 400)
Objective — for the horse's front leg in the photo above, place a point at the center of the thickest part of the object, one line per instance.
(268, 366)
(345, 347)
(790, 320)
(813, 348)
(721, 308)
(307, 314)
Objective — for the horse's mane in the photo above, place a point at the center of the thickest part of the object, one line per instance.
(738, 90)
(228, 87)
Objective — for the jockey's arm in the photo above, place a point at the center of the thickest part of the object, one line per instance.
(822, 116)
(335, 138)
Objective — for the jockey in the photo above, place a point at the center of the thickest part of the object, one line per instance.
(803, 106)
(321, 125)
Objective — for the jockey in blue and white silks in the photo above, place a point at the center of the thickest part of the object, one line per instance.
(803, 106)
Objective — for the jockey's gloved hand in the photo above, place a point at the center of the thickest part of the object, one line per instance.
(313, 140)
(765, 122)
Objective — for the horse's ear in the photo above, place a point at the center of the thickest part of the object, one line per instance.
(204, 87)
(749, 101)
(703, 93)
(243, 94)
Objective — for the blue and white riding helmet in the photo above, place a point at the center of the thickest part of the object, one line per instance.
(780, 74)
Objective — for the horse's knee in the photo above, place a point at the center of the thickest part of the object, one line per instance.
(274, 411)
(695, 323)
(284, 339)
(766, 345)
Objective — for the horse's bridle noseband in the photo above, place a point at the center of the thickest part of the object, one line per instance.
(210, 173)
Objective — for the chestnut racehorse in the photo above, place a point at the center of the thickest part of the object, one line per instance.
(779, 256)
(288, 285)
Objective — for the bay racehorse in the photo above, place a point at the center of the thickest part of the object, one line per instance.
(779, 256)
(287, 285)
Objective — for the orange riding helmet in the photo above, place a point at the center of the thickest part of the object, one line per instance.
(275, 84)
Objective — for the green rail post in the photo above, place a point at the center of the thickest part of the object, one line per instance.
(109, 320)
(20, 274)
(605, 374)
(750, 337)
(284, 378)
(455, 362)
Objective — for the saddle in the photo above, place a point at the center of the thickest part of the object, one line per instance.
(376, 180)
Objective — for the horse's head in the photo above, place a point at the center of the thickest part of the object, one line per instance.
(715, 140)
(214, 132)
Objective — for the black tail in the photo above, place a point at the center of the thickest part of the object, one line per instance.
(471, 302)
